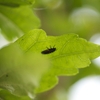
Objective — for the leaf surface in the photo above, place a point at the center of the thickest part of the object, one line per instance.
(17, 21)
(19, 72)
(5, 95)
(71, 53)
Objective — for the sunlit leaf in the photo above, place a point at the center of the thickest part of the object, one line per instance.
(71, 53)
(19, 72)
(16, 21)
(5, 95)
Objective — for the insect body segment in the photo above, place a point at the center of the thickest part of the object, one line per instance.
(49, 50)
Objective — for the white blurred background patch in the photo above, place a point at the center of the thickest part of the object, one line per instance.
(86, 89)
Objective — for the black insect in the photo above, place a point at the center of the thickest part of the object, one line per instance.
(49, 50)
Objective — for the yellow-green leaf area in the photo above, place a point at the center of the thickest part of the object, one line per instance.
(4, 94)
(19, 72)
(17, 21)
(71, 53)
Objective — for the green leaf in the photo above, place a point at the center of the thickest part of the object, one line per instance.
(71, 53)
(16, 21)
(5, 95)
(15, 3)
(19, 72)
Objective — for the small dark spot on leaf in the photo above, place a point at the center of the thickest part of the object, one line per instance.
(7, 75)
(49, 50)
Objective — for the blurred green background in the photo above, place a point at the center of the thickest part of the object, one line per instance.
(71, 16)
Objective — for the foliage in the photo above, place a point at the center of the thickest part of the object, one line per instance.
(16, 21)
(26, 72)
